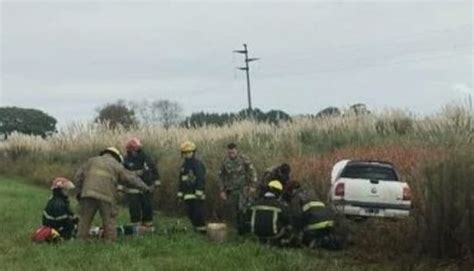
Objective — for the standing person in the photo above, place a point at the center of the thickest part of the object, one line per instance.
(237, 185)
(96, 182)
(278, 172)
(140, 204)
(191, 186)
(270, 219)
(57, 214)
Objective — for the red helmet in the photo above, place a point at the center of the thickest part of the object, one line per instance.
(63, 183)
(133, 144)
(45, 234)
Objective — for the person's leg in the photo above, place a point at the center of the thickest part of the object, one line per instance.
(87, 209)
(134, 207)
(147, 209)
(108, 212)
(199, 216)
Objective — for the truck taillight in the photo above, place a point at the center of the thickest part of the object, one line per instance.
(406, 193)
(340, 190)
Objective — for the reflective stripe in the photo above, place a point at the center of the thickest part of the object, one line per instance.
(320, 225)
(132, 191)
(199, 193)
(55, 218)
(275, 211)
(310, 204)
(266, 208)
(157, 182)
(180, 194)
(189, 196)
(202, 228)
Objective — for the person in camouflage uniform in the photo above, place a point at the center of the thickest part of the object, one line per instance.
(238, 182)
(278, 172)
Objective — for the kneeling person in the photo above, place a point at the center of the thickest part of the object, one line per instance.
(269, 217)
(58, 214)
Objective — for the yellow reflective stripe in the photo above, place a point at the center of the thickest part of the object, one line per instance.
(55, 218)
(320, 225)
(180, 194)
(199, 193)
(275, 220)
(252, 221)
(157, 182)
(266, 208)
(189, 196)
(310, 204)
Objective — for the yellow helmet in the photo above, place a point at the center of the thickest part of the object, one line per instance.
(187, 146)
(275, 184)
(114, 152)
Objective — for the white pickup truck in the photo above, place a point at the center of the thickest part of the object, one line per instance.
(369, 188)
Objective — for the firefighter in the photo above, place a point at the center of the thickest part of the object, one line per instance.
(191, 186)
(237, 185)
(140, 204)
(57, 214)
(96, 182)
(270, 218)
(312, 218)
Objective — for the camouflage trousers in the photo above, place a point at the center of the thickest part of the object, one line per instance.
(88, 207)
(235, 207)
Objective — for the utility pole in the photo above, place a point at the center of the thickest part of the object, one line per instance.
(247, 70)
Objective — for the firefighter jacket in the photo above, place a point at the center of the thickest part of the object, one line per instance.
(57, 213)
(144, 167)
(269, 216)
(191, 180)
(99, 177)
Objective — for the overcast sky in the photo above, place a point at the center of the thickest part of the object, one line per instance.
(68, 58)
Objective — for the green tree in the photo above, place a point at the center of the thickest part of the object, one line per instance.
(27, 121)
(117, 114)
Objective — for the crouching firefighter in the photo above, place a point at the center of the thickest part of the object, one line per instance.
(269, 217)
(59, 222)
(140, 203)
(191, 186)
(317, 222)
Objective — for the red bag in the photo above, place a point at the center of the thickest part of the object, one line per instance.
(45, 234)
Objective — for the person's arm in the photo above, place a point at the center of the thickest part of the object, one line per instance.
(200, 172)
(127, 177)
(251, 175)
(152, 170)
(221, 182)
(78, 180)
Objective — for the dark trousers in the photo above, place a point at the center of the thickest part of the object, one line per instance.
(196, 214)
(140, 206)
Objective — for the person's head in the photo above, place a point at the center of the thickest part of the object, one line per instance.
(114, 152)
(187, 149)
(62, 185)
(275, 187)
(133, 145)
(232, 151)
(284, 171)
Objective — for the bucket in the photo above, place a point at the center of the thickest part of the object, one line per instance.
(217, 232)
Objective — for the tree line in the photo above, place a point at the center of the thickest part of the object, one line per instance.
(164, 112)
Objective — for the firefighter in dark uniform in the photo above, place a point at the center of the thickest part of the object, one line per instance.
(269, 217)
(58, 214)
(191, 186)
(140, 203)
(311, 218)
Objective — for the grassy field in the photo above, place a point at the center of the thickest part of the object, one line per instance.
(21, 205)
